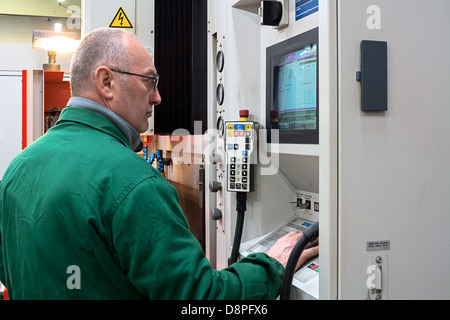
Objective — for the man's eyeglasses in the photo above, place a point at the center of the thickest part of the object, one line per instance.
(155, 80)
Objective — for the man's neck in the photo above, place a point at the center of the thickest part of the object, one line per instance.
(133, 137)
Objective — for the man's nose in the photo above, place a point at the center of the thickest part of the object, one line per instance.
(155, 98)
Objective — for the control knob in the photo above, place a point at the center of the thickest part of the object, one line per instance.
(216, 214)
(215, 186)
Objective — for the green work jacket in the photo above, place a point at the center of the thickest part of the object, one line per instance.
(84, 217)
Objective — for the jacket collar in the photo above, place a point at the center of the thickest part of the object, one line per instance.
(132, 137)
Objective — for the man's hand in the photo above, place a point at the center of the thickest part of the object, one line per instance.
(283, 248)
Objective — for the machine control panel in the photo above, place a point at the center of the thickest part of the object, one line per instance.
(307, 277)
(240, 142)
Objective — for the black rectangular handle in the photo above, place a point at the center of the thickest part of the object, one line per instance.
(373, 76)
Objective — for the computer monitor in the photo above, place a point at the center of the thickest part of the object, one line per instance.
(292, 91)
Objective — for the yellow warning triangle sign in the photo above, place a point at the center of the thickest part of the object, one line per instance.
(121, 20)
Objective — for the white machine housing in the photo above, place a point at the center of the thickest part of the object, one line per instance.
(382, 177)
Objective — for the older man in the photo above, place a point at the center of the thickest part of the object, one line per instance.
(82, 216)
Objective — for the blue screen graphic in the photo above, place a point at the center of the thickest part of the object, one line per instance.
(296, 89)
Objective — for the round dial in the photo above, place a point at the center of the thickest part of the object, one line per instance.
(220, 127)
(220, 93)
(220, 61)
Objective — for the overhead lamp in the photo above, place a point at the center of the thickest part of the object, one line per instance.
(54, 42)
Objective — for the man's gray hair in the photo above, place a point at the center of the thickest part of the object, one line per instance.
(100, 47)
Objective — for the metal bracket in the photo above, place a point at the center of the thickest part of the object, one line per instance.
(377, 277)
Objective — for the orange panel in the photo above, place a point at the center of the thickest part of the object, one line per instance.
(56, 91)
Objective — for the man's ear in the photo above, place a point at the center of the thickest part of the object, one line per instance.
(104, 82)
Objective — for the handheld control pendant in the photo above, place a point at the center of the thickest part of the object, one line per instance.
(240, 140)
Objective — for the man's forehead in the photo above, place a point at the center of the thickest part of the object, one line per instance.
(142, 58)
(145, 67)
(151, 70)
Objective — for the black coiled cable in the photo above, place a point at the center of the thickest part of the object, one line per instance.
(309, 235)
(241, 207)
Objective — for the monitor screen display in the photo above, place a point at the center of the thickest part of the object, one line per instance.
(292, 84)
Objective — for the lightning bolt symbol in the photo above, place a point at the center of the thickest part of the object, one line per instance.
(121, 18)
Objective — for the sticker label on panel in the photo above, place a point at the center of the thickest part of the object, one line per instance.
(304, 8)
(121, 20)
(378, 245)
